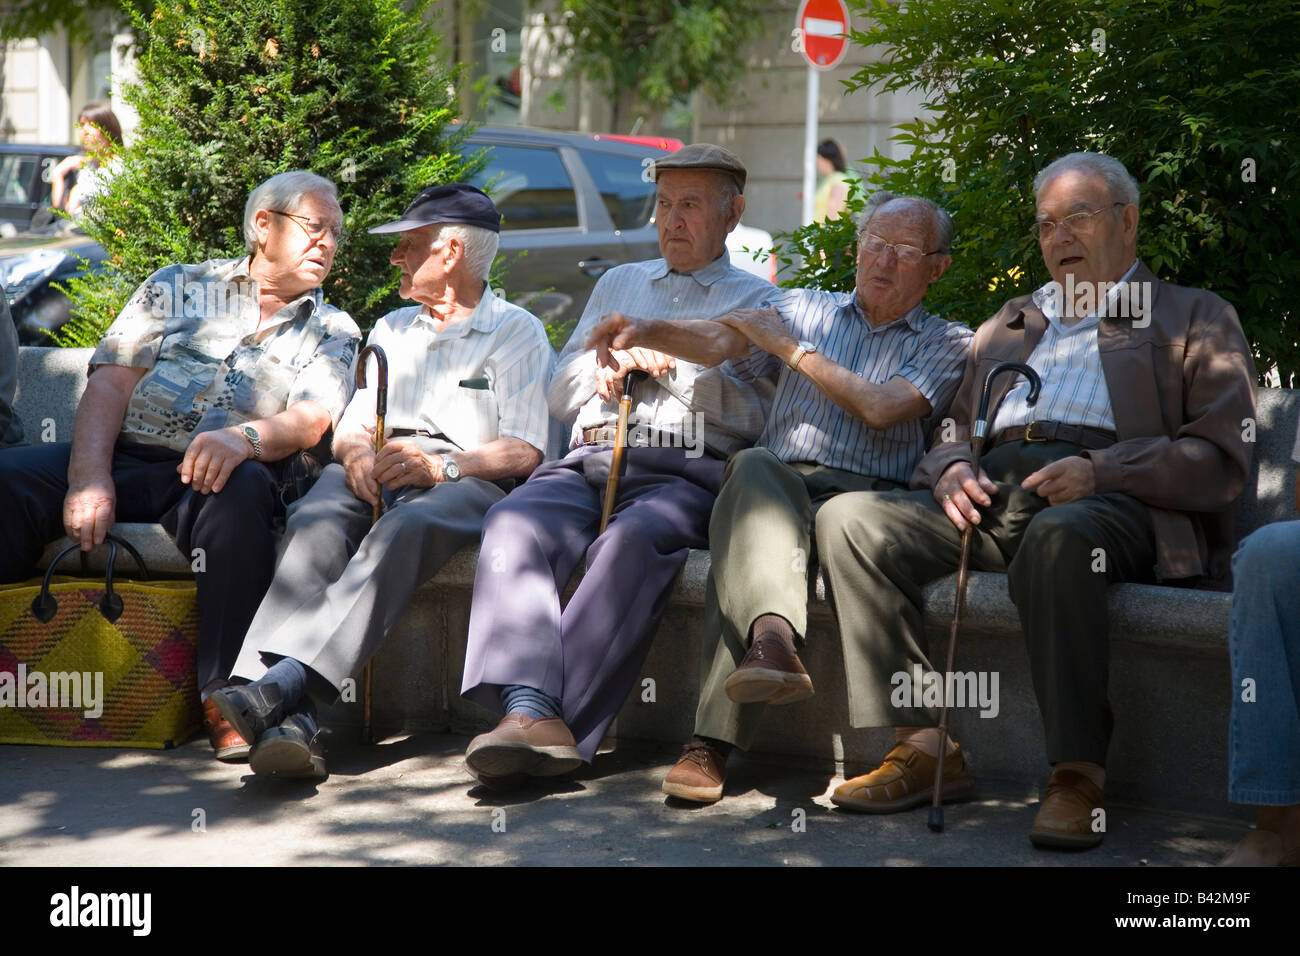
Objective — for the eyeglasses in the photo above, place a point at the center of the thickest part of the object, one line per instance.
(315, 230)
(1081, 223)
(908, 255)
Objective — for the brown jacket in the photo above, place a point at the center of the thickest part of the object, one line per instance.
(1181, 389)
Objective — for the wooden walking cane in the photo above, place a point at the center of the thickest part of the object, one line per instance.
(630, 381)
(935, 822)
(381, 409)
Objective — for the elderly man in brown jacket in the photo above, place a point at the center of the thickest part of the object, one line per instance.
(1126, 469)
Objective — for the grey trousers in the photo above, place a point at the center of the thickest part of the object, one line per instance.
(340, 585)
(880, 550)
(761, 539)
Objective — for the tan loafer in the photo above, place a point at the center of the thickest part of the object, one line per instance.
(522, 745)
(905, 779)
(1065, 819)
(771, 673)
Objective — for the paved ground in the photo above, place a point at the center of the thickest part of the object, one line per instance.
(409, 801)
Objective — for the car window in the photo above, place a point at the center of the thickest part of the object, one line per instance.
(530, 187)
(626, 192)
(15, 174)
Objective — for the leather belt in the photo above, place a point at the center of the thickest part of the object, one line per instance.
(1084, 436)
(415, 433)
(638, 436)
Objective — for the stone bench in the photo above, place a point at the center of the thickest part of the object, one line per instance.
(1169, 673)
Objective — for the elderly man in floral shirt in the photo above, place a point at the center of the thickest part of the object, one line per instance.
(206, 387)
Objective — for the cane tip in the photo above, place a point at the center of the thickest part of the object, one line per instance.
(936, 819)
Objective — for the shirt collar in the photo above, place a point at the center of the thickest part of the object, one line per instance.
(485, 318)
(1050, 301)
(705, 276)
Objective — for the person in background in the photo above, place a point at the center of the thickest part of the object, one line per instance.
(100, 135)
(833, 182)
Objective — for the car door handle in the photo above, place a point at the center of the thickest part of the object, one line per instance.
(596, 267)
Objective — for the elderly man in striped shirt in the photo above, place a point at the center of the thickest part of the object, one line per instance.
(466, 417)
(861, 377)
(559, 675)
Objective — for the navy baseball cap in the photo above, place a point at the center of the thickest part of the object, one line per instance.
(454, 202)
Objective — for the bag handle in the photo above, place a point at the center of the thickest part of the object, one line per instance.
(44, 607)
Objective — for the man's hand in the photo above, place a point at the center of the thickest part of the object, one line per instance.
(211, 457)
(958, 491)
(1063, 481)
(400, 464)
(765, 329)
(656, 363)
(88, 511)
(358, 467)
(615, 331)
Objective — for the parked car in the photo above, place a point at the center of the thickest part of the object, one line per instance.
(31, 262)
(751, 249)
(25, 170)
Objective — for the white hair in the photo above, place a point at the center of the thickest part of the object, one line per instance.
(1119, 181)
(282, 193)
(943, 227)
(479, 245)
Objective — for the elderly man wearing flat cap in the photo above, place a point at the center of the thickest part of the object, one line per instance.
(559, 675)
(466, 416)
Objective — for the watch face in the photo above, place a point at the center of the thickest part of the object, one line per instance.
(251, 432)
(450, 468)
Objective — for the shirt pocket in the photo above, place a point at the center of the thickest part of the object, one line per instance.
(474, 416)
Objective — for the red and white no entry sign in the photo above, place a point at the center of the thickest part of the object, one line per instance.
(824, 24)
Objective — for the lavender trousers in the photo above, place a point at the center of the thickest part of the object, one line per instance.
(589, 652)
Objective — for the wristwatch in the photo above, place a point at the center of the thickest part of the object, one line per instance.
(254, 439)
(450, 470)
(804, 349)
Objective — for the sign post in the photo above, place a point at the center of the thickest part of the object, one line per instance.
(824, 27)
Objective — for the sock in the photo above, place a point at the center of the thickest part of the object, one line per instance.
(529, 701)
(1094, 772)
(291, 677)
(721, 746)
(773, 625)
(924, 739)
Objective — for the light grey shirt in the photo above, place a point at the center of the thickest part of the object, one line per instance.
(475, 381)
(732, 409)
(1068, 361)
(11, 429)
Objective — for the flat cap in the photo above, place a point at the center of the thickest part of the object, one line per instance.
(703, 156)
(454, 202)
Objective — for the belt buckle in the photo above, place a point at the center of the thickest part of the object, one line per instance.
(1028, 428)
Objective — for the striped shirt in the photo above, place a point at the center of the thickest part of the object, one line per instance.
(479, 379)
(733, 410)
(1068, 361)
(805, 425)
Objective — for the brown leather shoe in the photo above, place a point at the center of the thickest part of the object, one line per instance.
(770, 673)
(905, 779)
(699, 773)
(522, 745)
(1065, 817)
(226, 741)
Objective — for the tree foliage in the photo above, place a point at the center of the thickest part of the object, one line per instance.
(657, 50)
(1199, 98)
(232, 93)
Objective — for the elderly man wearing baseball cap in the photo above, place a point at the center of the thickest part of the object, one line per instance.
(559, 675)
(466, 416)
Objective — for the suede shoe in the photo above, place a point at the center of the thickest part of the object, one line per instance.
(252, 709)
(226, 741)
(905, 779)
(1065, 818)
(770, 673)
(541, 747)
(291, 750)
(699, 773)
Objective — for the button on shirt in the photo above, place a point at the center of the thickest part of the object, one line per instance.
(1068, 361)
(805, 425)
(477, 380)
(194, 327)
(733, 410)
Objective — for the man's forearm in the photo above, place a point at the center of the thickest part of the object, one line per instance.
(99, 420)
(299, 426)
(503, 458)
(879, 406)
(701, 341)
